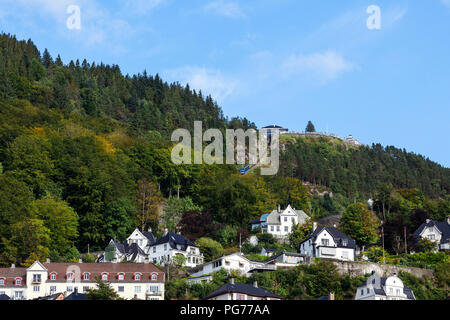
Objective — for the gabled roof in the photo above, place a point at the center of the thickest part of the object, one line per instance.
(274, 216)
(380, 291)
(442, 226)
(4, 297)
(149, 235)
(174, 239)
(76, 296)
(338, 236)
(242, 288)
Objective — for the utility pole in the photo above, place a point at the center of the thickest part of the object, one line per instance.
(382, 239)
(406, 245)
(240, 243)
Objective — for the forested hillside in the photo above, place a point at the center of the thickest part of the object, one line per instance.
(85, 157)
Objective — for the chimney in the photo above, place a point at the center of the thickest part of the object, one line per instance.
(13, 265)
(146, 260)
(48, 260)
(80, 260)
(279, 208)
(255, 284)
(428, 221)
(166, 231)
(314, 226)
(331, 296)
(149, 229)
(334, 225)
(232, 280)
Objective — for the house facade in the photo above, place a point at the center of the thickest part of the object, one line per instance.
(143, 247)
(280, 222)
(287, 260)
(328, 242)
(240, 291)
(233, 262)
(381, 288)
(438, 232)
(145, 280)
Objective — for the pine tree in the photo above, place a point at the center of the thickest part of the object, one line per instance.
(310, 127)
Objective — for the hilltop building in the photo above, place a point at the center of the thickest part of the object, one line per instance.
(438, 232)
(328, 242)
(279, 222)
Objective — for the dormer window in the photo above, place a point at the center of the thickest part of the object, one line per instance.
(120, 277)
(154, 276)
(105, 276)
(2, 281)
(70, 276)
(53, 276)
(86, 276)
(137, 277)
(18, 281)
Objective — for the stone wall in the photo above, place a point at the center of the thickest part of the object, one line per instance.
(362, 268)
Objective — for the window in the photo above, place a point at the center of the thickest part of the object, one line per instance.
(2, 282)
(362, 292)
(85, 289)
(325, 242)
(18, 294)
(37, 288)
(154, 276)
(278, 228)
(344, 242)
(431, 237)
(137, 289)
(105, 277)
(154, 249)
(272, 228)
(165, 247)
(52, 288)
(137, 277)
(240, 297)
(69, 289)
(285, 219)
(18, 282)
(121, 289)
(86, 276)
(368, 290)
(286, 229)
(70, 276)
(120, 277)
(53, 276)
(36, 278)
(391, 290)
(398, 292)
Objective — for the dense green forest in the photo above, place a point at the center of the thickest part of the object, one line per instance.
(85, 157)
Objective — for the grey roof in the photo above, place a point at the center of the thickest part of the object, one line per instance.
(149, 235)
(338, 237)
(173, 240)
(274, 216)
(380, 291)
(442, 226)
(76, 296)
(270, 250)
(242, 288)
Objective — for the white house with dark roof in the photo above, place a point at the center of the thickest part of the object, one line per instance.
(280, 222)
(287, 260)
(165, 249)
(438, 232)
(384, 288)
(328, 242)
(241, 291)
(142, 247)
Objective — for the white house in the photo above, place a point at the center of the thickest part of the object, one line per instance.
(279, 222)
(287, 260)
(438, 232)
(241, 291)
(144, 281)
(380, 288)
(171, 245)
(328, 242)
(141, 247)
(233, 262)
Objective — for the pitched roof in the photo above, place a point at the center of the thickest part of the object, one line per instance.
(4, 297)
(274, 216)
(113, 269)
(149, 235)
(76, 296)
(175, 239)
(10, 274)
(242, 288)
(338, 236)
(380, 291)
(442, 226)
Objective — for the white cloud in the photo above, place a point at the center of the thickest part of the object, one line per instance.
(142, 6)
(209, 81)
(324, 66)
(225, 8)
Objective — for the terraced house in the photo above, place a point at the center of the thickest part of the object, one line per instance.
(130, 280)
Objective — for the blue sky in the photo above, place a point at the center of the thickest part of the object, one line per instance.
(275, 61)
